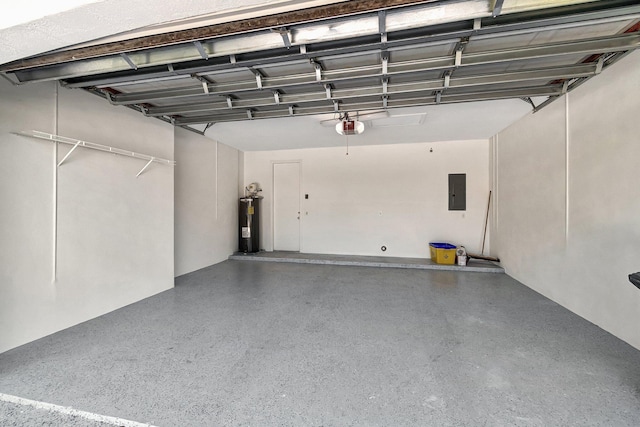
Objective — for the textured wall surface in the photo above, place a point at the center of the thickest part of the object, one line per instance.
(569, 201)
(114, 231)
(206, 202)
(393, 195)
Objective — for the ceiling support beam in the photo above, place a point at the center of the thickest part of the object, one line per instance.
(382, 26)
(385, 58)
(286, 36)
(607, 63)
(318, 70)
(424, 88)
(181, 59)
(203, 81)
(258, 75)
(339, 108)
(346, 8)
(447, 79)
(529, 101)
(497, 8)
(599, 65)
(617, 43)
(128, 61)
(203, 53)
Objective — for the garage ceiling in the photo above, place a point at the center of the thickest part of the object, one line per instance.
(351, 57)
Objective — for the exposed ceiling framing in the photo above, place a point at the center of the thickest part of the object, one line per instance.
(351, 56)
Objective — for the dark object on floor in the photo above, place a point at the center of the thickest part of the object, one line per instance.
(634, 278)
(484, 257)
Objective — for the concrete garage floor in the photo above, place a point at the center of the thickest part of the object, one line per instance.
(264, 343)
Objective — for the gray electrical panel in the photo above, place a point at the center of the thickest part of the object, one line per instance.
(457, 191)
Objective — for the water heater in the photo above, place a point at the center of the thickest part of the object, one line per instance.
(249, 222)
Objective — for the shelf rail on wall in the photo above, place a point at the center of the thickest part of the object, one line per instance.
(92, 145)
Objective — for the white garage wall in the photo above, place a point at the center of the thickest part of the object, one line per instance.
(115, 231)
(206, 202)
(393, 195)
(581, 260)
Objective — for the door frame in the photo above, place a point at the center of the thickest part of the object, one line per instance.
(273, 203)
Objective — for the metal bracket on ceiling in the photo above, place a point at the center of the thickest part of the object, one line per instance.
(382, 25)
(318, 68)
(529, 101)
(259, 76)
(276, 97)
(327, 89)
(232, 59)
(230, 102)
(438, 97)
(18, 83)
(110, 97)
(385, 86)
(385, 64)
(600, 65)
(336, 106)
(285, 34)
(497, 8)
(565, 86)
(250, 114)
(170, 68)
(204, 81)
(291, 110)
(128, 61)
(460, 47)
(385, 102)
(477, 24)
(203, 53)
(303, 49)
(447, 78)
(462, 44)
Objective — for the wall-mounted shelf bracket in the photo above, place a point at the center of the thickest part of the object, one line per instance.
(92, 145)
(145, 167)
(69, 153)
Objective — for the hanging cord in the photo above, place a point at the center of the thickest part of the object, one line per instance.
(347, 136)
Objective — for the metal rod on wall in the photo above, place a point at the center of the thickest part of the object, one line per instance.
(85, 144)
(54, 273)
(145, 167)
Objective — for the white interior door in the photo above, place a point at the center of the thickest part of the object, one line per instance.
(286, 206)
